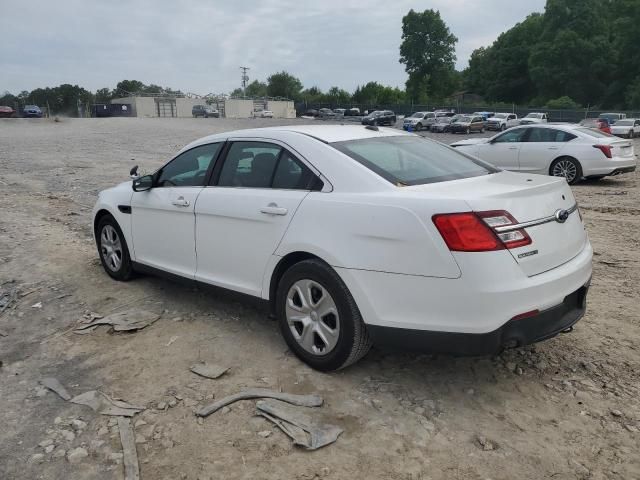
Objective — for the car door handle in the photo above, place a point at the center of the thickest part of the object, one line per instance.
(554, 148)
(180, 202)
(513, 148)
(273, 209)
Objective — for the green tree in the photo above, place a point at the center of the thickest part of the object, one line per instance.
(126, 88)
(257, 89)
(428, 52)
(562, 103)
(337, 96)
(283, 84)
(374, 94)
(103, 95)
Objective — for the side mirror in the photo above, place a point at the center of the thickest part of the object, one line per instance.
(142, 184)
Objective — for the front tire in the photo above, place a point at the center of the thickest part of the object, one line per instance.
(630, 134)
(318, 317)
(566, 167)
(113, 250)
(503, 127)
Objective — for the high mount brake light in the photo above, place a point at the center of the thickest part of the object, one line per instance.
(475, 231)
(606, 149)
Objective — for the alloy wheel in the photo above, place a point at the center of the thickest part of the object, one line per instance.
(566, 169)
(111, 248)
(312, 317)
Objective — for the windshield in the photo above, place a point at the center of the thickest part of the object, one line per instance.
(411, 160)
(624, 123)
(417, 115)
(593, 133)
(500, 115)
(377, 113)
(464, 119)
(534, 115)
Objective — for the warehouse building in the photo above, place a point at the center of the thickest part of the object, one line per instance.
(166, 106)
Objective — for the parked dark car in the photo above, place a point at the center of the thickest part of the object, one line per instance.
(352, 112)
(310, 113)
(467, 124)
(380, 117)
(32, 111)
(204, 111)
(7, 112)
(326, 113)
(442, 124)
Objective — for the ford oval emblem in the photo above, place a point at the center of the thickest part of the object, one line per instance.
(561, 215)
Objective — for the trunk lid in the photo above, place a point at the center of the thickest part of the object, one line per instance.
(527, 198)
(621, 148)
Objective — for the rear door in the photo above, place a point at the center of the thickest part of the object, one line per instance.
(504, 150)
(542, 146)
(243, 215)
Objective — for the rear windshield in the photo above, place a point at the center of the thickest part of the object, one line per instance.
(592, 132)
(410, 160)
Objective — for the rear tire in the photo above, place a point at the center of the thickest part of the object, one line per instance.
(318, 317)
(566, 167)
(113, 249)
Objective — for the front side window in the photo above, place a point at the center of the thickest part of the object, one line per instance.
(188, 169)
(412, 160)
(265, 165)
(516, 135)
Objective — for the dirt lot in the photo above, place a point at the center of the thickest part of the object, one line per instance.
(568, 408)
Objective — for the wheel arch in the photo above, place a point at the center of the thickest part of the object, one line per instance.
(282, 266)
(560, 157)
(100, 214)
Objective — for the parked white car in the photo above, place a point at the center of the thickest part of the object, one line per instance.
(502, 121)
(628, 127)
(357, 235)
(534, 118)
(263, 114)
(561, 150)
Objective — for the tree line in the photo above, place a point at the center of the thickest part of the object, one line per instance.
(577, 53)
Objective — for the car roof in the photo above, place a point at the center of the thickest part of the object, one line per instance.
(324, 133)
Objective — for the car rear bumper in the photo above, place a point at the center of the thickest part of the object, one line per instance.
(613, 166)
(514, 333)
(491, 291)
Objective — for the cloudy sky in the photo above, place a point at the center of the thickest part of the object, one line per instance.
(198, 45)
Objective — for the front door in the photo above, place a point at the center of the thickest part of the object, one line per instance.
(163, 219)
(242, 217)
(503, 151)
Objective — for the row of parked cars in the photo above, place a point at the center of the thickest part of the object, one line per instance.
(29, 111)
(444, 121)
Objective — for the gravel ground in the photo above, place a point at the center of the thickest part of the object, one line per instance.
(564, 409)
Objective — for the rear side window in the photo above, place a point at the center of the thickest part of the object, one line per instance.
(549, 135)
(291, 174)
(412, 160)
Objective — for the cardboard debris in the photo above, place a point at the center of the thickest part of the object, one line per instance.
(208, 370)
(297, 425)
(55, 386)
(123, 321)
(105, 405)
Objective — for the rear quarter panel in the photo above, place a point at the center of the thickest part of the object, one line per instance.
(373, 232)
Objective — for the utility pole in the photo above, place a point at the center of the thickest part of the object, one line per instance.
(245, 80)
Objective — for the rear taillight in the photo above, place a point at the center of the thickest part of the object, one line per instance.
(480, 231)
(606, 149)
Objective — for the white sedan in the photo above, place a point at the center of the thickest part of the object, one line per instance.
(358, 235)
(562, 150)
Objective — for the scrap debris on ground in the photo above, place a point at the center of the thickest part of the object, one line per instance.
(253, 393)
(122, 321)
(128, 440)
(297, 425)
(209, 370)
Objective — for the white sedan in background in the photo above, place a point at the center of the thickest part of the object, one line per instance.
(358, 235)
(628, 127)
(561, 150)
